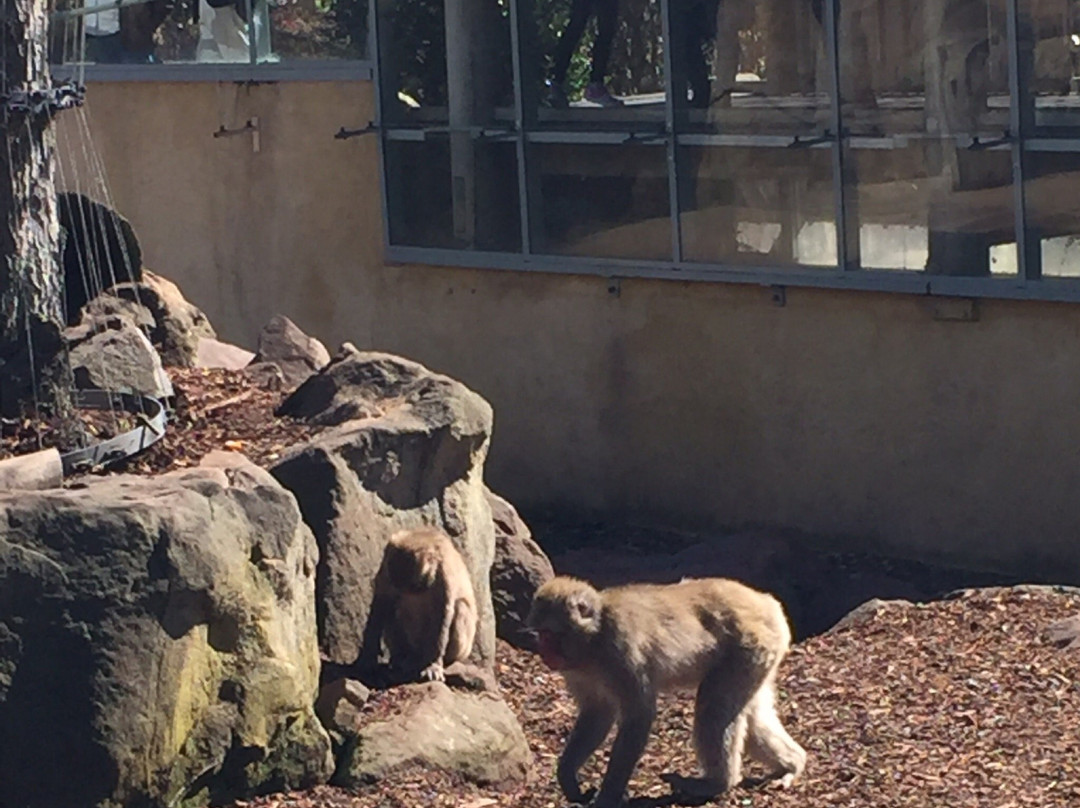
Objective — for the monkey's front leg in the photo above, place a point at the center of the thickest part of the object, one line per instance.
(433, 670)
(629, 745)
(592, 727)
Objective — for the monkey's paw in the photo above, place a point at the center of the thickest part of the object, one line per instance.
(433, 673)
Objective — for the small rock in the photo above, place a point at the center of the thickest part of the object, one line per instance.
(266, 376)
(1064, 633)
(464, 676)
(178, 324)
(114, 354)
(865, 612)
(340, 705)
(32, 472)
(475, 735)
(299, 356)
(213, 353)
(519, 569)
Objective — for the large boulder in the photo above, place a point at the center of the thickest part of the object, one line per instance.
(519, 569)
(100, 249)
(114, 354)
(474, 735)
(297, 355)
(414, 457)
(177, 324)
(157, 641)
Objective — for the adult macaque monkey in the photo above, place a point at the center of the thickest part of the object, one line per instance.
(424, 606)
(618, 648)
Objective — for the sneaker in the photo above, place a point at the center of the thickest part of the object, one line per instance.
(597, 93)
(556, 96)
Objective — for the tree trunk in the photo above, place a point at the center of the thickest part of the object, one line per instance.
(34, 369)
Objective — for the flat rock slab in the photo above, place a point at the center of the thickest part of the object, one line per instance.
(475, 735)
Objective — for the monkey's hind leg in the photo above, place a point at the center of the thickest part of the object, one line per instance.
(462, 633)
(769, 742)
(720, 720)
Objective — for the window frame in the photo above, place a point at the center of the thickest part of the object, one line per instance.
(251, 71)
(1027, 284)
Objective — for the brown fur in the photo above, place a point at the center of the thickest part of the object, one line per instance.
(424, 606)
(618, 648)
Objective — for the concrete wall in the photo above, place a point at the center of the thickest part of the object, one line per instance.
(846, 414)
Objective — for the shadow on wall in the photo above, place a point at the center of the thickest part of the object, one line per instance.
(817, 586)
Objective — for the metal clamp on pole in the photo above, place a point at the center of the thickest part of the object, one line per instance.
(345, 134)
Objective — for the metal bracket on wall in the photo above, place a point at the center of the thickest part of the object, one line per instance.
(345, 134)
(251, 126)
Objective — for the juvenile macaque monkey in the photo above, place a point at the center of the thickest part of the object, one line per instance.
(618, 648)
(424, 606)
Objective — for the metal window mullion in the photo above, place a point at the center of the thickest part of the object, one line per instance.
(253, 40)
(847, 257)
(669, 125)
(376, 42)
(519, 125)
(1028, 256)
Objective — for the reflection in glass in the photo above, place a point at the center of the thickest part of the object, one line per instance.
(757, 206)
(1050, 44)
(446, 61)
(601, 201)
(938, 67)
(456, 193)
(593, 63)
(1052, 206)
(318, 29)
(930, 206)
(749, 66)
(167, 31)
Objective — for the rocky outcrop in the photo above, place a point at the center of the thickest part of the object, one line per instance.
(100, 249)
(297, 355)
(408, 450)
(157, 641)
(177, 324)
(519, 569)
(475, 735)
(114, 354)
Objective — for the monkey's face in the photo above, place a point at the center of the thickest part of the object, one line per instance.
(409, 571)
(565, 615)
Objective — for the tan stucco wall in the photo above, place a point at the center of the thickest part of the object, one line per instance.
(845, 414)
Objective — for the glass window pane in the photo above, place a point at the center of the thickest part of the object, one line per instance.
(757, 206)
(1050, 42)
(171, 31)
(750, 66)
(1052, 206)
(446, 62)
(932, 206)
(593, 64)
(939, 67)
(608, 201)
(318, 29)
(454, 192)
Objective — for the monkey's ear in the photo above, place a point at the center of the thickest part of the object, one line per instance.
(584, 609)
